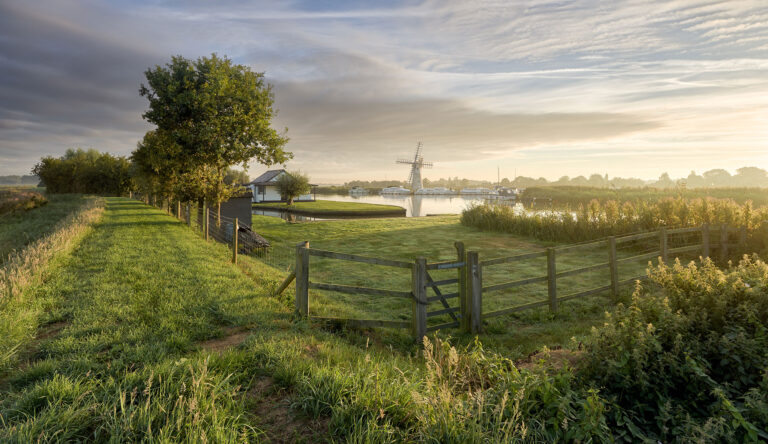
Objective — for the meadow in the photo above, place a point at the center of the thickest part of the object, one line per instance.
(147, 332)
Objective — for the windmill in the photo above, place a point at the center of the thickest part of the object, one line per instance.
(416, 165)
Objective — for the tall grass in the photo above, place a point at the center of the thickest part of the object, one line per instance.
(600, 219)
(24, 269)
(574, 196)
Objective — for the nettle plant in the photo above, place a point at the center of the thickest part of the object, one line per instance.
(689, 358)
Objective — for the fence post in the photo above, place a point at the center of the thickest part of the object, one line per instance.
(178, 209)
(551, 279)
(419, 303)
(189, 214)
(235, 228)
(302, 279)
(663, 247)
(207, 217)
(613, 263)
(705, 241)
(464, 322)
(723, 242)
(475, 288)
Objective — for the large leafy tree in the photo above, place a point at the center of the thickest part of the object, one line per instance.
(218, 113)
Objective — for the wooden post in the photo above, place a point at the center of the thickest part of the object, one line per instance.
(475, 288)
(189, 214)
(178, 209)
(419, 303)
(551, 279)
(723, 242)
(464, 302)
(613, 263)
(705, 241)
(206, 222)
(302, 279)
(663, 248)
(235, 228)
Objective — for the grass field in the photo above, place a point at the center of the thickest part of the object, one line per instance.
(575, 196)
(147, 333)
(433, 238)
(19, 229)
(333, 208)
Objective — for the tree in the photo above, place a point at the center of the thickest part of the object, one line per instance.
(292, 185)
(84, 171)
(218, 113)
(236, 177)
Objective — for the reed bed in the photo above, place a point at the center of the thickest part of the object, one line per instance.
(600, 219)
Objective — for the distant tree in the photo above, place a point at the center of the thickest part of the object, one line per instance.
(664, 181)
(717, 178)
(597, 180)
(750, 177)
(84, 171)
(292, 185)
(694, 180)
(219, 114)
(236, 177)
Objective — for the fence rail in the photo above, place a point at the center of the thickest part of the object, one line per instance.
(468, 313)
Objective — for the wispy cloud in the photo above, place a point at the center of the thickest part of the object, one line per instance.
(481, 83)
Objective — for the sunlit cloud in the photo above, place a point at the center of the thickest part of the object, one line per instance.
(631, 88)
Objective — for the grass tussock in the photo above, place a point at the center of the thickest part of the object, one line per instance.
(23, 269)
(600, 219)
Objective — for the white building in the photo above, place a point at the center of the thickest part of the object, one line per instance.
(264, 188)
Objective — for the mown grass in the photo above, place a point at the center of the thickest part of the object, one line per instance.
(21, 228)
(330, 208)
(433, 238)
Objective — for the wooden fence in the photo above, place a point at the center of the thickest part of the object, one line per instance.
(467, 312)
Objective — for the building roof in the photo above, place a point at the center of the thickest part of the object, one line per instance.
(266, 178)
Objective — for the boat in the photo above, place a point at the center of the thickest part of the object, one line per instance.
(479, 191)
(395, 190)
(357, 191)
(436, 191)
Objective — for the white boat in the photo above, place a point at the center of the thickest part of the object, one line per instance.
(395, 190)
(479, 191)
(436, 191)
(358, 191)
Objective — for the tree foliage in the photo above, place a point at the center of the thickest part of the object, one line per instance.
(292, 185)
(87, 172)
(210, 114)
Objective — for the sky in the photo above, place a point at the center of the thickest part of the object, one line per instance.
(534, 88)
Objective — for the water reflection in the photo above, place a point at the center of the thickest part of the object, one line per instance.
(415, 205)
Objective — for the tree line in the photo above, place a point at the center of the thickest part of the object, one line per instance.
(746, 177)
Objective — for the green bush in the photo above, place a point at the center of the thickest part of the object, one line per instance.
(690, 359)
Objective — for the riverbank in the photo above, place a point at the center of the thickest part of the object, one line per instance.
(328, 208)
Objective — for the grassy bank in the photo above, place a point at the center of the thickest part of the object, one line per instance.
(329, 208)
(21, 228)
(27, 268)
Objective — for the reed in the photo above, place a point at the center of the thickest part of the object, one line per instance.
(610, 218)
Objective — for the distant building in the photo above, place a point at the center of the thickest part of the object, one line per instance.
(264, 188)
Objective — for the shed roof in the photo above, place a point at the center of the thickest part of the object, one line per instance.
(266, 178)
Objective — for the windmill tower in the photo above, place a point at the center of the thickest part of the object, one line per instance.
(416, 165)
